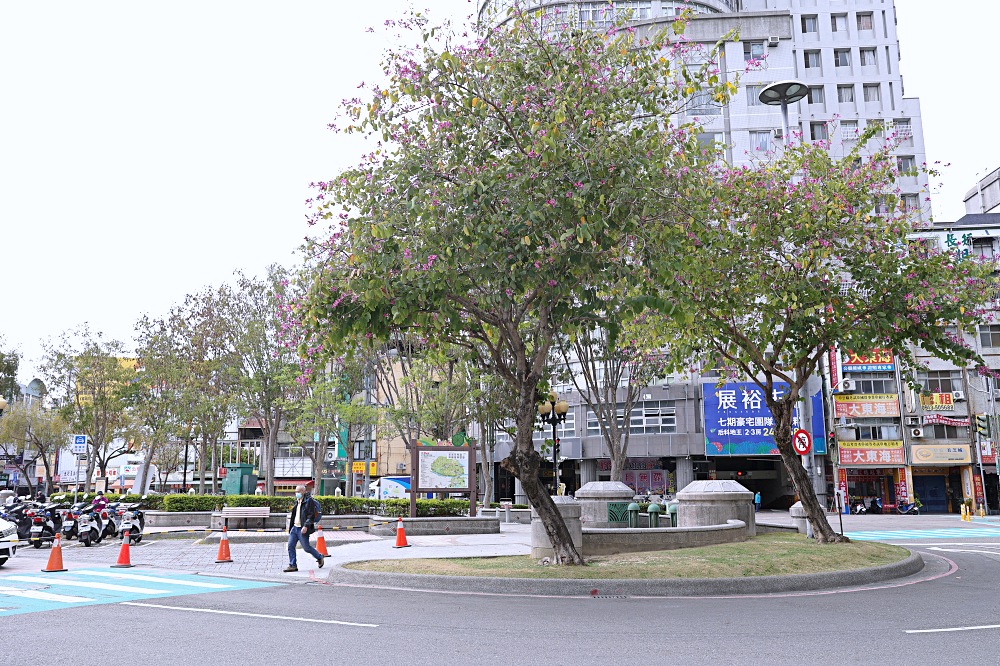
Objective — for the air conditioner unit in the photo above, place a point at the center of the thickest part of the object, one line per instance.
(772, 42)
(778, 133)
(400, 467)
(912, 420)
(916, 433)
(847, 385)
(958, 396)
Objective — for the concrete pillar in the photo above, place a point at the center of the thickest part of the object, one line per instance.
(819, 479)
(588, 471)
(603, 503)
(685, 472)
(519, 495)
(704, 503)
(568, 507)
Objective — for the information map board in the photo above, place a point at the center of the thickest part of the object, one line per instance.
(443, 469)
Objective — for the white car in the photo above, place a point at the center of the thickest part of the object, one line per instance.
(8, 541)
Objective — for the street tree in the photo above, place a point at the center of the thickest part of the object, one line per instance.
(88, 376)
(802, 252)
(31, 434)
(10, 361)
(514, 175)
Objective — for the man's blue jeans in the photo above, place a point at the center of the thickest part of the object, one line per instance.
(296, 536)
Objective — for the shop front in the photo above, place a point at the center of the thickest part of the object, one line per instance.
(872, 469)
(646, 476)
(943, 476)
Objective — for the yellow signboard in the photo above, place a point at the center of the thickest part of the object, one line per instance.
(871, 444)
(359, 467)
(937, 402)
(936, 454)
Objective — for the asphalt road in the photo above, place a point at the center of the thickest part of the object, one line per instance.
(314, 623)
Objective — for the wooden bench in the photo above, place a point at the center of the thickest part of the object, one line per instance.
(245, 513)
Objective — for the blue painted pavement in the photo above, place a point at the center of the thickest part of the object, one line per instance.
(35, 592)
(945, 533)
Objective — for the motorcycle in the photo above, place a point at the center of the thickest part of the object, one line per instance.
(69, 526)
(875, 506)
(89, 526)
(111, 519)
(45, 523)
(859, 507)
(18, 514)
(133, 521)
(910, 508)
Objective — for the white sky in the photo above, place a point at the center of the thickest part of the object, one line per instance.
(149, 149)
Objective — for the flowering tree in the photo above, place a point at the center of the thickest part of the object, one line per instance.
(804, 252)
(517, 171)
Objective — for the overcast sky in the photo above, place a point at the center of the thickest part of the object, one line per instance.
(149, 149)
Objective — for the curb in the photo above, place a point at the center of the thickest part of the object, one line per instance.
(660, 587)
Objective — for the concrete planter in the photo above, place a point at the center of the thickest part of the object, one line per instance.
(603, 504)
(386, 526)
(178, 518)
(715, 503)
(541, 545)
(628, 540)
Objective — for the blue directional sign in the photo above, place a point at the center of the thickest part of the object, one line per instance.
(738, 422)
(79, 444)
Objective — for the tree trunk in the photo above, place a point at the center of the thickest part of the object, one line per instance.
(202, 454)
(822, 531)
(348, 472)
(216, 464)
(618, 461)
(139, 486)
(269, 452)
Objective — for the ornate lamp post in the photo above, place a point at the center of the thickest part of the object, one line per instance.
(553, 411)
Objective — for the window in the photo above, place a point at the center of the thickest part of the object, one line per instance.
(651, 417)
(810, 23)
(565, 429)
(903, 128)
(604, 13)
(842, 57)
(873, 92)
(849, 130)
(753, 95)
(874, 429)
(868, 57)
(874, 382)
(989, 336)
(865, 22)
(983, 247)
(818, 131)
(753, 51)
(845, 94)
(911, 202)
(838, 22)
(939, 431)
(760, 140)
(816, 95)
(702, 104)
(906, 163)
(812, 59)
(944, 381)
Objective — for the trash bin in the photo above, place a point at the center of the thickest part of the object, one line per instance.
(633, 515)
(654, 514)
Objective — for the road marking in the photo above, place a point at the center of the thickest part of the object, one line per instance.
(959, 550)
(950, 629)
(88, 584)
(260, 615)
(44, 596)
(155, 579)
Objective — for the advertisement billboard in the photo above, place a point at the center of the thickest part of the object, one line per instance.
(738, 422)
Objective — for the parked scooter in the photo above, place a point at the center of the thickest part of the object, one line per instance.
(45, 523)
(18, 514)
(90, 527)
(875, 506)
(859, 507)
(133, 521)
(910, 508)
(69, 526)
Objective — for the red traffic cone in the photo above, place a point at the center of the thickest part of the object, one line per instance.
(401, 536)
(55, 557)
(321, 542)
(123, 555)
(223, 555)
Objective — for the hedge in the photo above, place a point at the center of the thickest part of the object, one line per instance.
(184, 502)
(152, 502)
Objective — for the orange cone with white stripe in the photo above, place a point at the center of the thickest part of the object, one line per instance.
(401, 535)
(321, 542)
(223, 555)
(124, 561)
(55, 557)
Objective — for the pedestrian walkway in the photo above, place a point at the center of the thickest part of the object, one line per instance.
(37, 592)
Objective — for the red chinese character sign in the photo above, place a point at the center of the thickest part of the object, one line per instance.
(878, 453)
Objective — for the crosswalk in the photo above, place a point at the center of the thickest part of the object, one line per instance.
(944, 533)
(36, 592)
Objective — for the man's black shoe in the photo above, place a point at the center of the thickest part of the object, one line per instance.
(320, 562)
(290, 568)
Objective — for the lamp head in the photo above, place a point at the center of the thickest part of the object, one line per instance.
(562, 407)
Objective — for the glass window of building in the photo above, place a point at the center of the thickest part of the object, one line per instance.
(816, 95)
(812, 60)
(906, 163)
(939, 431)
(753, 95)
(943, 381)
(818, 131)
(870, 429)
(838, 22)
(810, 23)
(842, 57)
(845, 95)
(868, 57)
(702, 104)
(874, 382)
(989, 336)
(753, 50)
(849, 131)
(983, 247)
(873, 92)
(903, 128)
(760, 140)
(865, 21)
(911, 202)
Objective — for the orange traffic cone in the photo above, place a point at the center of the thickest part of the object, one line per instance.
(55, 557)
(123, 555)
(321, 542)
(223, 555)
(401, 536)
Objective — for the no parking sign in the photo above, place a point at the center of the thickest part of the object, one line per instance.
(802, 442)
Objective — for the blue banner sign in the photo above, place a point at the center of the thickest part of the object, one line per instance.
(738, 422)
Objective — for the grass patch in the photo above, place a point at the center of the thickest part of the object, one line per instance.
(769, 554)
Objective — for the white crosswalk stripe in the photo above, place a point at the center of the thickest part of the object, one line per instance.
(44, 596)
(155, 579)
(86, 583)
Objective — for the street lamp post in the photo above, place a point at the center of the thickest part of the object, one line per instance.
(782, 94)
(553, 411)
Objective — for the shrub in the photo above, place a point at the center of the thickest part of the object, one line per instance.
(192, 502)
(277, 504)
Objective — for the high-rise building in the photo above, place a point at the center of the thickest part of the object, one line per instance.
(847, 53)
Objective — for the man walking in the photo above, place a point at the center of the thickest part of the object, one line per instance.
(756, 501)
(301, 523)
